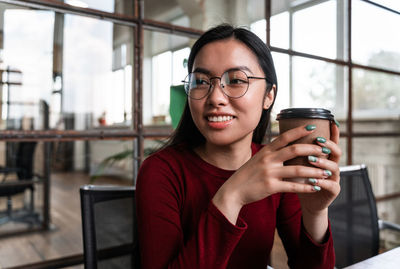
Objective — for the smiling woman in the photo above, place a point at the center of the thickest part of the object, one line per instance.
(213, 196)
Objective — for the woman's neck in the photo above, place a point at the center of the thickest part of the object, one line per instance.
(230, 157)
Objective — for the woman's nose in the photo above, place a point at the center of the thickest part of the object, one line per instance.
(217, 96)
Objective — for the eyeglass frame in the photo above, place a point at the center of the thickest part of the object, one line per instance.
(269, 84)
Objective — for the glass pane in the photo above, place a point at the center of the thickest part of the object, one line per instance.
(382, 159)
(280, 30)
(20, 162)
(319, 84)
(97, 73)
(125, 7)
(204, 14)
(113, 158)
(314, 29)
(375, 94)
(73, 165)
(78, 67)
(375, 42)
(163, 67)
(26, 71)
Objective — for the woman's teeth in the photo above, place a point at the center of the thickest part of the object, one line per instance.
(219, 118)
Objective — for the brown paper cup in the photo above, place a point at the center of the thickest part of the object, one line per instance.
(294, 117)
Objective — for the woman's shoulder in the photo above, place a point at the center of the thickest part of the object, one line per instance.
(169, 153)
(168, 157)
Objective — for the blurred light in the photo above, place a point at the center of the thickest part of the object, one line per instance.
(77, 3)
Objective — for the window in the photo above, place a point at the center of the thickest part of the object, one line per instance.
(372, 46)
(314, 29)
(97, 72)
(35, 28)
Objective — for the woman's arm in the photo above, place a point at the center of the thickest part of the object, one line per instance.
(301, 248)
(166, 242)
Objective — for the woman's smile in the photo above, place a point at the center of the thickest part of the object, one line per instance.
(219, 121)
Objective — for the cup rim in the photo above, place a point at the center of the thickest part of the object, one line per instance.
(307, 113)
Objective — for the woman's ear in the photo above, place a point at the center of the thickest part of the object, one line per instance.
(269, 97)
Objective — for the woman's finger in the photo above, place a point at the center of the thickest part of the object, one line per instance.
(329, 185)
(288, 186)
(299, 171)
(331, 145)
(330, 167)
(297, 150)
(289, 136)
(335, 132)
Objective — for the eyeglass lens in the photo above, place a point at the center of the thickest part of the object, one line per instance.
(233, 83)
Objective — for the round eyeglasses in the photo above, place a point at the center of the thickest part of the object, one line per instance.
(234, 84)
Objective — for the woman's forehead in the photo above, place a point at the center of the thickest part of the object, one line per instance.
(226, 54)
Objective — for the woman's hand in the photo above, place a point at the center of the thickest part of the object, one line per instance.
(263, 174)
(328, 184)
(315, 206)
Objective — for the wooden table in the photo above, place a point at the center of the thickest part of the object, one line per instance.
(387, 260)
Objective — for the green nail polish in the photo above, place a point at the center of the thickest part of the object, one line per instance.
(326, 150)
(312, 180)
(312, 158)
(321, 139)
(310, 127)
(327, 173)
(316, 188)
(336, 122)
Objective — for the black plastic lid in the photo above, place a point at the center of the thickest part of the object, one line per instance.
(307, 113)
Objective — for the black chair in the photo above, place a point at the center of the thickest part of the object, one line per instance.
(354, 219)
(109, 227)
(23, 168)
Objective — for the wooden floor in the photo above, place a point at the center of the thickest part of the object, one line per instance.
(65, 238)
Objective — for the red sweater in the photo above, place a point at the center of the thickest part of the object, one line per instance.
(179, 226)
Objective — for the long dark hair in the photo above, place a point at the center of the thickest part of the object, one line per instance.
(186, 131)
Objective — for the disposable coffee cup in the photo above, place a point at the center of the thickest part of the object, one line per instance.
(294, 117)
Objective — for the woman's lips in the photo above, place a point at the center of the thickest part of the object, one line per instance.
(219, 122)
(219, 118)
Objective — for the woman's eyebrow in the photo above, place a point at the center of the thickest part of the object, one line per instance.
(207, 72)
(202, 70)
(241, 68)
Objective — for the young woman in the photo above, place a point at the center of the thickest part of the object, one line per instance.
(213, 197)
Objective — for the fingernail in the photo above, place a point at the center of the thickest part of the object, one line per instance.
(316, 188)
(321, 139)
(312, 159)
(326, 150)
(327, 173)
(310, 127)
(312, 181)
(336, 122)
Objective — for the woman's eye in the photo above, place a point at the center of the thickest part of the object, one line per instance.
(201, 82)
(237, 81)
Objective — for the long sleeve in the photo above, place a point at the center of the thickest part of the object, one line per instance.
(179, 226)
(163, 239)
(302, 251)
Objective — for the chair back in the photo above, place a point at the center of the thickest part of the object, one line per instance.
(109, 227)
(354, 218)
(23, 167)
(24, 160)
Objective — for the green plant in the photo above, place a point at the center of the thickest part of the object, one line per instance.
(121, 156)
